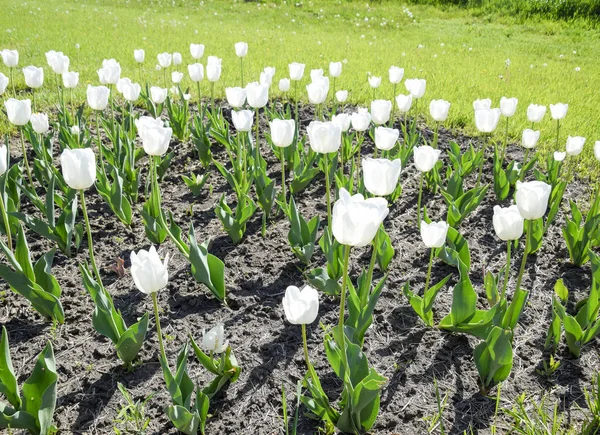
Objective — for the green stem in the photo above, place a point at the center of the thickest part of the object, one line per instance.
(505, 141)
(72, 105)
(158, 331)
(557, 132)
(419, 200)
(359, 141)
(256, 148)
(485, 145)
(436, 135)
(341, 339)
(428, 272)
(524, 260)
(305, 345)
(199, 100)
(33, 97)
(525, 160)
(29, 177)
(89, 237)
(363, 298)
(12, 81)
(283, 176)
(242, 69)
(212, 97)
(327, 191)
(375, 153)
(507, 271)
(100, 143)
(5, 219)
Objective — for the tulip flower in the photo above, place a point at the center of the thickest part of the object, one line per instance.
(58, 61)
(241, 49)
(425, 158)
(558, 111)
(97, 97)
(301, 308)
(139, 55)
(158, 95)
(434, 236)
(197, 51)
(3, 169)
(559, 157)
(316, 74)
(532, 199)
(196, 73)
(213, 74)
(11, 60)
(214, 340)
(110, 73)
(131, 91)
(486, 120)
(284, 85)
(404, 102)
(380, 111)
(335, 69)
(164, 59)
(416, 87)
(75, 130)
(176, 77)
(341, 96)
(39, 123)
(508, 106)
(535, 113)
(325, 138)
(236, 97)
(438, 109)
(374, 82)
(575, 145)
(381, 175)
(342, 120)
(242, 120)
(70, 79)
(317, 90)
(18, 111)
(483, 104)
(597, 150)
(395, 75)
(296, 71)
(530, 138)
(386, 138)
(266, 77)
(34, 78)
(508, 224)
(177, 59)
(257, 95)
(282, 136)
(361, 120)
(154, 135)
(149, 276)
(3, 83)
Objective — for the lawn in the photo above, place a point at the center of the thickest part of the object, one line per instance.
(462, 57)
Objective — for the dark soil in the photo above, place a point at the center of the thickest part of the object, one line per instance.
(268, 348)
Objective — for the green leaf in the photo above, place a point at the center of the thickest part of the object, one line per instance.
(183, 420)
(131, 341)
(206, 268)
(8, 381)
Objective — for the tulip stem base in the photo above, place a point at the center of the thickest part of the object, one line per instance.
(341, 335)
(305, 345)
(428, 278)
(89, 237)
(5, 220)
(158, 331)
(507, 270)
(524, 259)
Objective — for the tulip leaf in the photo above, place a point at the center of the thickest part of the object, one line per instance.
(8, 381)
(131, 341)
(201, 141)
(319, 278)
(206, 268)
(494, 357)
(302, 235)
(185, 421)
(385, 250)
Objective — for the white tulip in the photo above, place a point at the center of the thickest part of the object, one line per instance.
(3, 83)
(97, 97)
(508, 106)
(535, 112)
(559, 157)
(341, 96)
(34, 77)
(395, 74)
(342, 120)
(374, 82)
(404, 102)
(558, 111)
(139, 55)
(296, 70)
(197, 51)
(301, 306)
(236, 97)
(10, 57)
(575, 145)
(242, 119)
(508, 222)
(434, 233)
(164, 59)
(241, 49)
(438, 109)
(78, 167)
(148, 272)
(530, 138)
(214, 340)
(361, 120)
(70, 79)
(196, 72)
(176, 77)
(282, 132)
(3, 159)
(335, 69)
(381, 175)
(386, 138)
(416, 87)
(324, 137)
(39, 123)
(18, 111)
(158, 95)
(425, 157)
(532, 199)
(155, 136)
(284, 85)
(177, 59)
(380, 111)
(486, 120)
(257, 95)
(483, 104)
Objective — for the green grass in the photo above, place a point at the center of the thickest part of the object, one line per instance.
(462, 56)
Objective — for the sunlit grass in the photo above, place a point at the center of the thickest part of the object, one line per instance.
(462, 57)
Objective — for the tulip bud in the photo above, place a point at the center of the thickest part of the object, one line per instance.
(148, 272)
(575, 145)
(197, 51)
(10, 57)
(361, 120)
(213, 72)
(318, 90)
(164, 59)
(374, 82)
(257, 95)
(508, 106)
(78, 167)
(284, 85)
(508, 222)
(425, 157)
(296, 70)
(110, 73)
(214, 340)
(438, 109)
(559, 157)
(3, 83)
(395, 74)
(434, 233)
(356, 220)
(535, 112)
(75, 130)
(158, 95)
(3, 159)
(486, 120)
(236, 97)
(97, 97)
(177, 59)
(342, 120)
(404, 102)
(484, 104)
(176, 77)
(386, 138)
(70, 79)
(532, 199)
(301, 306)
(241, 49)
(381, 175)
(324, 137)
(242, 119)
(139, 55)
(155, 136)
(341, 96)
(282, 132)
(380, 111)
(416, 87)
(39, 122)
(530, 138)
(196, 72)
(335, 69)
(18, 111)
(597, 150)
(558, 111)
(34, 77)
